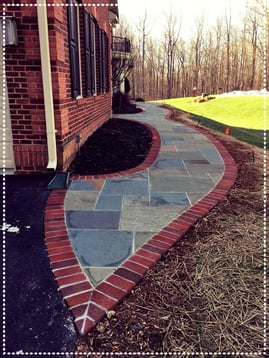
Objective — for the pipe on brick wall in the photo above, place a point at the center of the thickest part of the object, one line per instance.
(47, 83)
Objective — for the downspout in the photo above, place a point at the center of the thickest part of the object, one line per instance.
(47, 83)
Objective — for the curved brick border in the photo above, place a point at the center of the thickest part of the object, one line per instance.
(88, 304)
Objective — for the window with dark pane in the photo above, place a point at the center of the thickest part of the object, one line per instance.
(101, 59)
(74, 47)
(107, 71)
(90, 60)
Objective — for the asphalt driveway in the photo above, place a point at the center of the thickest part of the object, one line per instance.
(37, 319)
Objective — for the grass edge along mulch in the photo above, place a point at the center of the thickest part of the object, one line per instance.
(206, 295)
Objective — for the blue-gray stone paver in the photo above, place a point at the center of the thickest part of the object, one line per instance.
(93, 219)
(168, 198)
(169, 163)
(212, 156)
(80, 199)
(182, 129)
(102, 248)
(171, 140)
(109, 202)
(196, 161)
(122, 186)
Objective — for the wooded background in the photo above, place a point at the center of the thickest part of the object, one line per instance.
(219, 58)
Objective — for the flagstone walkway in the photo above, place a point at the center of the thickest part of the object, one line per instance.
(104, 232)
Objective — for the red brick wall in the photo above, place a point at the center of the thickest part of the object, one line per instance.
(24, 79)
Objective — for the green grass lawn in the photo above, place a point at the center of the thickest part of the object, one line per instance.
(244, 115)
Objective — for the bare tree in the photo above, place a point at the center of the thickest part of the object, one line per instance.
(228, 23)
(254, 39)
(143, 29)
(259, 15)
(222, 57)
(171, 37)
(197, 50)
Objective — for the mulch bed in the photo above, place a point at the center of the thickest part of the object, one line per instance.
(206, 294)
(118, 145)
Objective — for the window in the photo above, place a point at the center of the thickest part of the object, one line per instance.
(101, 60)
(95, 46)
(74, 47)
(104, 82)
(90, 58)
(107, 73)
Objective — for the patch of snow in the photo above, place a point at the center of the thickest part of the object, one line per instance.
(13, 228)
(246, 93)
(10, 228)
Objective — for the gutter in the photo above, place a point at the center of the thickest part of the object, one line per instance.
(47, 82)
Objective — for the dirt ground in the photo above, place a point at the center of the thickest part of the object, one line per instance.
(206, 295)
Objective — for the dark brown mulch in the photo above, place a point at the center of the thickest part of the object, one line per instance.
(118, 145)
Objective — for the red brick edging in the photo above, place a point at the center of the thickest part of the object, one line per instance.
(88, 304)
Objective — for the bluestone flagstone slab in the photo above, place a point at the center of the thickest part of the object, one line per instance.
(80, 200)
(212, 156)
(176, 184)
(171, 140)
(148, 219)
(109, 202)
(102, 248)
(130, 200)
(92, 219)
(168, 198)
(190, 155)
(182, 129)
(122, 186)
(169, 163)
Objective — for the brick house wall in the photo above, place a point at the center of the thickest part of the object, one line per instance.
(74, 117)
